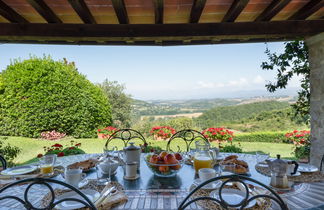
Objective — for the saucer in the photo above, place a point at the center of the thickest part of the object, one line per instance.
(210, 186)
(132, 178)
(296, 174)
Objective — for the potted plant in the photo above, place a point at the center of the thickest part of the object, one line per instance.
(106, 132)
(301, 141)
(60, 150)
(162, 132)
(218, 135)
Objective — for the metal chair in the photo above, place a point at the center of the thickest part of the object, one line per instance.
(322, 162)
(188, 136)
(45, 182)
(3, 162)
(233, 178)
(126, 135)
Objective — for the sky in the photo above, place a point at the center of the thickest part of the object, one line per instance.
(177, 72)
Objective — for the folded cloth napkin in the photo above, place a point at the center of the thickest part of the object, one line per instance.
(114, 198)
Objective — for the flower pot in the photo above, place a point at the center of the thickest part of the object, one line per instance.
(102, 136)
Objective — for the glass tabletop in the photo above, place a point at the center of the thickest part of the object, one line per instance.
(183, 180)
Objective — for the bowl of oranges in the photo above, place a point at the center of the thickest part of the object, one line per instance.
(164, 164)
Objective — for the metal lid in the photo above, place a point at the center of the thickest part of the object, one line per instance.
(132, 147)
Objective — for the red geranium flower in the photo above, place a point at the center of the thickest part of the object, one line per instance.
(57, 145)
(78, 145)
(39, 155)
(60, 154)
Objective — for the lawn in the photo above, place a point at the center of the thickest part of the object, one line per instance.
(31, 147)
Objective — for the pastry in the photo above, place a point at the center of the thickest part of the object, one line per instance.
(241, 163)
(84, 165)
(240, 169)
(231, 157)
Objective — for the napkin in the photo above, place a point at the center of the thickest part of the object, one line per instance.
(113, 199)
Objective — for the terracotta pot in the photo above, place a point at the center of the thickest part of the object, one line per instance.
(102, 136)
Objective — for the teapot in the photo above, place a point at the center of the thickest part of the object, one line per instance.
(279, 169)
(131, 153)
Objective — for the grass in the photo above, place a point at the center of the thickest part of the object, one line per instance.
(31, 147)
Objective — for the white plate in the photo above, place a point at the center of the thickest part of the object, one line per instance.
(307, 168)
(296, 174)
(65, 205)
(210, 186)
(19, 170)
(232, 196)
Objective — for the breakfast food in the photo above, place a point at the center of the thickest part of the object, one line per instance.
(164, 162)
(235, 165)
(84, 165)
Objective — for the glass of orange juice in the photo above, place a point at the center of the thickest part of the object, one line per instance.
(47, 164)
(203, 157)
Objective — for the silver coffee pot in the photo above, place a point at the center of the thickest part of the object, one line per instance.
(131, 154)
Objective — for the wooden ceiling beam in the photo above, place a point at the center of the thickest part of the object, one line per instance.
(119, 32)
(272, 10)
(235, 10)
(121, 12)
(196, 10)
(45, 11)
(10, 14)
(83, 11)
(158, 11)
(310, 8)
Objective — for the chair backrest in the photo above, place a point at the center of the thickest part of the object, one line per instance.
(126, 135)
(46, 183)
(3, 162)
(188, 136)
(322, 162)
(233, 178)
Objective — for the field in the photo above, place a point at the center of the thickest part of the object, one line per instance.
(32, 147)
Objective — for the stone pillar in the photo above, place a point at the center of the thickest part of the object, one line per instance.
(316, 59)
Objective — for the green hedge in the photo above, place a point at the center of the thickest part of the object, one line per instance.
(40, 94)
(275, 137)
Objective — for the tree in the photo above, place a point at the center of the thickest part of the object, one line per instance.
(121, 103)
(293, 61)
(40, 94)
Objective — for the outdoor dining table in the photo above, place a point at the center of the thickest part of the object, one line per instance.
(152, 192)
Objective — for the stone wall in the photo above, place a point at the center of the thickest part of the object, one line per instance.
(316, 58)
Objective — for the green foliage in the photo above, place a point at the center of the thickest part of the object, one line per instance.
(9, 152)
(274, 137)
(302, 152)
(232, 148)
(276, 120)
(121, 103)
(180, 123)
(219, 115)
(293, 61)
(40, 94)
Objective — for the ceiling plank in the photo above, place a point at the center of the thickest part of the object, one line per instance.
(158, 11)
(235, 10)
(121, 12)
(307, 10)
(147, 32)
(10, 14)
(272, 10)
(83, 11)
(196, 10)
(45, 11)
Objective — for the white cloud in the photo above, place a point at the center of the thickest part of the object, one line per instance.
(258, 80)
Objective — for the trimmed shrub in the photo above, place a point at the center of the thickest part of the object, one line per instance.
(40, 94)
(271, 137)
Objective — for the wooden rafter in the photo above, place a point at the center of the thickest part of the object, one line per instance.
(196, 10)
(45, 11)
(120, 10)
(97, 32)
(235, 10)
(310, 8)
(83, 11)
(10, 14)
(272, 10)
(158, 11)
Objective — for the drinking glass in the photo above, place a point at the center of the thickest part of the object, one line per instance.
(261, 157)
(47, 163)
(102, 178)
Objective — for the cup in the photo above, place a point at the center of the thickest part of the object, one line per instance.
(206, 174)
(74, 176)
(131, 169)
(47, 163)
